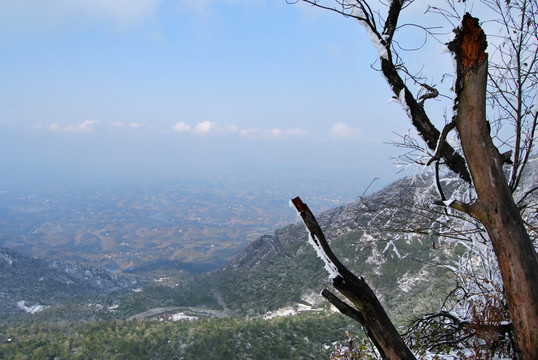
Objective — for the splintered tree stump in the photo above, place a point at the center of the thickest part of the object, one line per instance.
(473, 42)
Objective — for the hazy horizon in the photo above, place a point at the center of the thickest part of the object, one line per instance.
(170, 88)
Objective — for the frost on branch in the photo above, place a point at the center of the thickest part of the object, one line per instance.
(329, 265)
(314, 240)
(474, 320)
(363, 19)
(402, 101)
(317, 239)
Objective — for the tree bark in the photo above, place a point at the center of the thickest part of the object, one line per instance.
(495, 207)
(368, 310)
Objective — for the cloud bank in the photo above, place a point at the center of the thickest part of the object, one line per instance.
(339, 130)
(85, 126)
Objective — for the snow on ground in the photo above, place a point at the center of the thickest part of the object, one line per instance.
(289, 311)
(462, 354)
(182, 316)
(31, 309)
(408, 281)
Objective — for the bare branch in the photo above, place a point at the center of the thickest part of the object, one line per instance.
(376, 321)
(442, 140)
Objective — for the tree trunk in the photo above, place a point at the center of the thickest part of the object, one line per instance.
(495, 207)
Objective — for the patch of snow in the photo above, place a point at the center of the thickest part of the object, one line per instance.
(391, 242)
(181, 316)
(376, 260)
(449, 202)
(312, 298)
(455, 354)
(31, 309)
(291, 205)
(279, 313)
(7, 259)
(288, 311)
(407, 282)
(329, 265)
(374, 37)
(401, 99)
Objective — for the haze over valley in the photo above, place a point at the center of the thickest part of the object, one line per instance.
(177, 226)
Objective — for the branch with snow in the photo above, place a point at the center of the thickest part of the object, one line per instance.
(366, 306)
(317, 239)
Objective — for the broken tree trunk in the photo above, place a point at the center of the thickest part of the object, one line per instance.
(368, 310)
(494, 207)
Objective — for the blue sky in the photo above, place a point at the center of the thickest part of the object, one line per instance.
(129, 87)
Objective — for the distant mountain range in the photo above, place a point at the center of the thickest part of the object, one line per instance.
(389, 237)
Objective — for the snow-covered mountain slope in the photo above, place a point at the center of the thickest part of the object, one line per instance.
(397, 238)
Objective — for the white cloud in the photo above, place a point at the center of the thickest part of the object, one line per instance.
(181, 127)
(251, 133)
(204, 127)
(134, 126)
(131, 126)
(298, 131)
(86, 126)
(275, 133)
(341, 129)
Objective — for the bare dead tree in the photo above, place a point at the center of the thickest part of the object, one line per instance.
(367, 309)
(480, 163)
